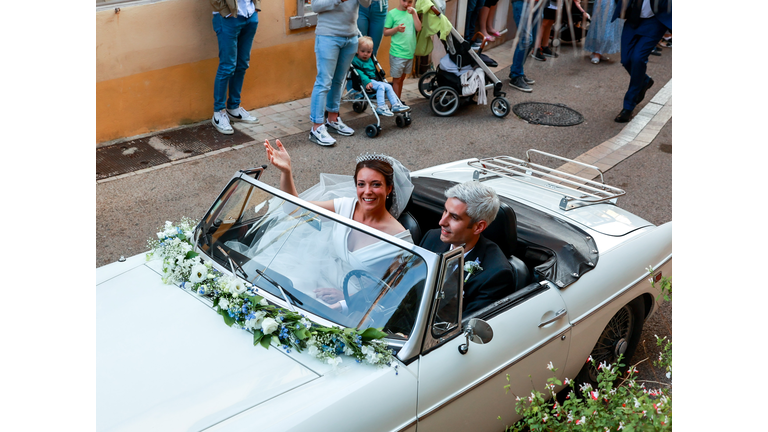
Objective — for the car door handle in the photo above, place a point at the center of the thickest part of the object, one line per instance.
(557, 316)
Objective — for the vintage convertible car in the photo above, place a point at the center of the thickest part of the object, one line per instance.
(165, 360)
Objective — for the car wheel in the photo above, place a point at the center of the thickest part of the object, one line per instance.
(500, 107)
(444, 101)
(620, 337)
(427, 83)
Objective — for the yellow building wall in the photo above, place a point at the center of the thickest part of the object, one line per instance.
(155, 64)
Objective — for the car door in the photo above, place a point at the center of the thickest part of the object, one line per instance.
(466, 391)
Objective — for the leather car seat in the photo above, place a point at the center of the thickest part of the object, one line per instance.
(503, 232)
(409, 222)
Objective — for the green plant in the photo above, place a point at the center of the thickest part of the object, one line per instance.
(665, 285)
(619, 403)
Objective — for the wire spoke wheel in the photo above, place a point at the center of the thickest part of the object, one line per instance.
(619, 338)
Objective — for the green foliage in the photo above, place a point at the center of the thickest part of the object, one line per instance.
(628, 406)
(619, 403)
(665, 285)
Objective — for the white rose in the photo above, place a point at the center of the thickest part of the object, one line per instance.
(224, 304)
(199, 273)
(256, 320)
(237, 287)
(313, 351)
(263, 302)
(269, 325)
(333, 361)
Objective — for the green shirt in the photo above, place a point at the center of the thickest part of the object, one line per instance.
(403, 44)
(366, 68)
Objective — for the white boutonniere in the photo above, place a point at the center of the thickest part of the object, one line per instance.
(472, 267)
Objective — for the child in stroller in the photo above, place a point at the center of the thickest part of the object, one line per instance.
(368, 85)
(371, 81)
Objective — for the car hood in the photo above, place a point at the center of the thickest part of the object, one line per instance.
(166, 361)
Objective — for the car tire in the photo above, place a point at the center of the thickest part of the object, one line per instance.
(621, 334)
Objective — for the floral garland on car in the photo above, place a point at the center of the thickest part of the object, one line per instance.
(238, 302)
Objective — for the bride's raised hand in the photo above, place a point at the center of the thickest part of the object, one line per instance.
(278, 157)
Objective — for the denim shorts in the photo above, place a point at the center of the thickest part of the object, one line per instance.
(399, 66)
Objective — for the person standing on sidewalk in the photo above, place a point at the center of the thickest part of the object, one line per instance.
(548, 20)
(335, 46)
(645, 23)
(235, 23)
(527, 16)
(370, 21)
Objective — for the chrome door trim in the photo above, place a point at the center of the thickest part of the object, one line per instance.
(618, 294)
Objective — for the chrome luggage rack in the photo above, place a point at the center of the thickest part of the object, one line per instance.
(578, 191)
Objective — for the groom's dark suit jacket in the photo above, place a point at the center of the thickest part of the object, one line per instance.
(494, 282)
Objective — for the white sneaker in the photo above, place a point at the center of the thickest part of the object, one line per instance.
(320, 136)
(220, 121)
(384, 111)
(339, 127)
(401, 107)
(241, 115)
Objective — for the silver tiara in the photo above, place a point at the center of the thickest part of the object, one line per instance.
(374, 156)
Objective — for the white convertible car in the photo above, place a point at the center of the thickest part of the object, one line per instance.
(167, 362)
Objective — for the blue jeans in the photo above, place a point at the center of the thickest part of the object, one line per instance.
(235, 37)
(520, 12)
(636, 46)
(370, 21)
(384, 89)
(473, 12)
(333, 55)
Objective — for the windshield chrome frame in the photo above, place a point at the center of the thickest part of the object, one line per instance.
(409, 349)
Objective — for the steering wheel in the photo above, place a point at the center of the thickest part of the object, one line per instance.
(369, 295)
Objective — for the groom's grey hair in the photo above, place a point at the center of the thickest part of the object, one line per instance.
(482, 201)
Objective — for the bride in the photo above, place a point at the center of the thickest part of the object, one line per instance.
(375, 196)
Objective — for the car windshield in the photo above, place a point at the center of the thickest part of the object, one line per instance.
(301, 256)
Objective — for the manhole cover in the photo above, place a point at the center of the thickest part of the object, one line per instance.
(547, 114)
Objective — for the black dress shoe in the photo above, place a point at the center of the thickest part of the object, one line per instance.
(624, 116)
(640, 96)
(656, 51)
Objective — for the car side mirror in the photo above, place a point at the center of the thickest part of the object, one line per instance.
(477, 331)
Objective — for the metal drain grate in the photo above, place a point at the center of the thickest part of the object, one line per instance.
(547, 114)
(162, 148)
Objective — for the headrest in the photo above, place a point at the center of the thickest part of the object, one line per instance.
(503, 230)
(409, 222)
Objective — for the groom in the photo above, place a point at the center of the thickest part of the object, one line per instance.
(469, 209)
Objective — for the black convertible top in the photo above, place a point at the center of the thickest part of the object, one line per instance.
(574, 251)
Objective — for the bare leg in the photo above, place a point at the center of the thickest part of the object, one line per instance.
(482, 22)
(397, 85)
(489, 22)
(546, 29)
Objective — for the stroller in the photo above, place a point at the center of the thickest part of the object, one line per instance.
(444, 88)
(361, 99)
